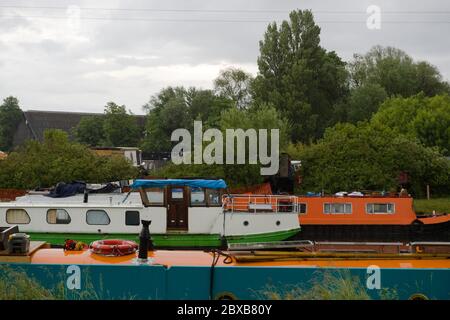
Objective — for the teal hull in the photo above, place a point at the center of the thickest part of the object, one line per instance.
(158, 282)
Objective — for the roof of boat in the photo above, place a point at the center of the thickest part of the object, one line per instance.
(103, 199)
(201, 258)
(195, 183)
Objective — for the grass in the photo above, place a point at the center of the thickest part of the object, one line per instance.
(15, 284)
(326, 285)
(440, 205)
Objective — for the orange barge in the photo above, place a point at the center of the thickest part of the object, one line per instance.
(232, 274)
(245, 271)
(353, 217)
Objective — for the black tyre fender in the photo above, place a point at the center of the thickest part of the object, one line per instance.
(417, 226)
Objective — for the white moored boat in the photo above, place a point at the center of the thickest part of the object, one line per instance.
(183, 213)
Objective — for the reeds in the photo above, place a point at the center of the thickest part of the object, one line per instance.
(325, 285)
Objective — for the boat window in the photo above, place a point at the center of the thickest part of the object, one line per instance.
(58, 216)
(155, 196)
(302, 208)
(337, 208)
(380, 208)
(177, 193)
(17, 216)
(97, 217)
(132, 218)
(213, 197)
(198, 197)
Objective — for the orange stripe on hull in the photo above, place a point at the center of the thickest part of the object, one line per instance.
(198, 258)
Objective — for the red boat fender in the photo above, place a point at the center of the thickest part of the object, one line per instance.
(113, 247)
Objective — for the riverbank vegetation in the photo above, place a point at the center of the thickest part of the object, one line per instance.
(438, 205)
(36, 164)
(354, 125)
(326, 285)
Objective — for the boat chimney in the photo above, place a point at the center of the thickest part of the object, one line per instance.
(145, 242)
(86, 196)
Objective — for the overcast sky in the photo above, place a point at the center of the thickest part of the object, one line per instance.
(126, 51)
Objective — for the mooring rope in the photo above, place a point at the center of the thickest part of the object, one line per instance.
(216, 256)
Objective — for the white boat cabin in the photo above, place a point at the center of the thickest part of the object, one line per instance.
(172, 205)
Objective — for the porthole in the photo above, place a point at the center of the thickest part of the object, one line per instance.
(278, 222)
(418, 296)
(246, 223)
(225, 296)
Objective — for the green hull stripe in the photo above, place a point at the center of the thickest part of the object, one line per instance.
(168, 240)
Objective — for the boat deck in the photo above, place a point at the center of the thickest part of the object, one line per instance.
(170, 258)
(5, 256)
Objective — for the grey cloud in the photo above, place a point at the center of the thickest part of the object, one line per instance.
(127, 61)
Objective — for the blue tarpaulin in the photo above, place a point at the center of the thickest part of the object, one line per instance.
(195, 183)
(63, 190)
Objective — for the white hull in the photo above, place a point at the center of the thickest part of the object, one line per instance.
(201, 220)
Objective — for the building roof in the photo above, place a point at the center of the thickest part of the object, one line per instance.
(35, 122)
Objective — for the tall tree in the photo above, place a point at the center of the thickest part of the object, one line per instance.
(370, 157)
(204, 105)
(361, 103)
(234, 84)
(424, 118)
(265, 117)
(119, 127)
(90, 131)
(167, 111)
(10, 116)
(178, 107)
(396, 72)
(299, 77)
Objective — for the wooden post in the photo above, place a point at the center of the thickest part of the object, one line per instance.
(428, 192)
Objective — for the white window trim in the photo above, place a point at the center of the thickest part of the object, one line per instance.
(387, 203)
(344, 203)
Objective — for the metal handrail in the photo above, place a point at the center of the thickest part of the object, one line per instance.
(278, 203)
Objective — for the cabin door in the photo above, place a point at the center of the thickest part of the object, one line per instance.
(177, 208)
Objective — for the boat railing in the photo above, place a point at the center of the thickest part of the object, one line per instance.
(260, 203)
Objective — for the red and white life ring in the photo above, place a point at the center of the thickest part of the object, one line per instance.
(113, 247)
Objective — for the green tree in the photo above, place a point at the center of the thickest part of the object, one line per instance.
(119, 127)
(361, 104)
(234, 84)
(178, 107)
(167, 111)
(10, 116)
(369, 157)
(419, 117)
(265, 117)
(90, 131)
(299, 77)
(57, 159)
(396, 72)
